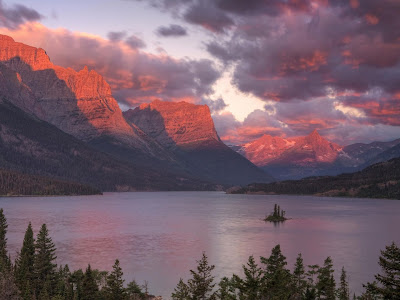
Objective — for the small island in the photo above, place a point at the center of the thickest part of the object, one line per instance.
(277, 216)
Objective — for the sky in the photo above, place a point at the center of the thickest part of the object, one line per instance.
(278, 67)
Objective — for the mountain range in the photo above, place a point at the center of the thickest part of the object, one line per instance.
(313, 155)
(65, 124)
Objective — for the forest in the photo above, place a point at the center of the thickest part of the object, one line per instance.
(35, 275)
(381, 180)
(14, 183)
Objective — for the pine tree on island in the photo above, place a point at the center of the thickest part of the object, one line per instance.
(277, 216)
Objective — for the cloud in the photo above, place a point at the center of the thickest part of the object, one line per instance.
(173, 30)
(215, 106)
(116, 36)
(134, 42)
(11, 17)
(134, 75)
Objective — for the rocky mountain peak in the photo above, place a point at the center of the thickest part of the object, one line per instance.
(174, 123)
(79, 103)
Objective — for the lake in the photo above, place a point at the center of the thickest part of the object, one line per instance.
(158, 236)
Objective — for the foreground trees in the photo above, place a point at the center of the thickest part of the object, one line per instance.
(272, 280)
(35, 276)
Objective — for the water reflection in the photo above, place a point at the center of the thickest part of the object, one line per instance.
(158, 236)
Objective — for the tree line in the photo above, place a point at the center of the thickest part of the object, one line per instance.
(381, 180)
(272, 280)
(14, 183)
(34, 275)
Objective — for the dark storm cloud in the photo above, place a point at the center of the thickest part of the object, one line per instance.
(12, 17)
(116, 36)
(173, 30)
(134, 42)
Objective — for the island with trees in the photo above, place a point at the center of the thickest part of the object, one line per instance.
(277, 216)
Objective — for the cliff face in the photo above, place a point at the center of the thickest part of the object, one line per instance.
(188, 131)
(174, 124)
(79, 103)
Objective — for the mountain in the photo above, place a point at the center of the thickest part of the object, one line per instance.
(313, 155)
(32, 146)
(188, 131)
(380, 180)
(78, 103)
(363, 155)
(295, 157)
(79, 107)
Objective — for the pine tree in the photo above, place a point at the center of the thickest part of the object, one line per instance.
(227, 289)
(134, 291)
(181, 291)
(277, 278)
(251, 286)
(5, 262)
(343, 291)
(312, 271)
(76, 279)
(24, 264)
(299, 277)
(326, 283)
(115, 284)
(8, 288)
(89, 286)
(44, 267)
(201, 284)
(388, 282)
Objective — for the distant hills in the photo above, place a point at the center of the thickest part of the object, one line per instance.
(381, 180)
(65, 124)
(313, 155)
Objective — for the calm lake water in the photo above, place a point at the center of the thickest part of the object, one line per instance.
(159, 236)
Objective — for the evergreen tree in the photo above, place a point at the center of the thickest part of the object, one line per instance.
(115, 284)
(343, 291)
(312, 271)
(89, 286)
(5, 262)
(8, 288)
(299, 277)
(134, 291)
(226, 289)
(326, 283)
(251, 286)
(181, 292)
(388, 282)
(277, 278)
(44, 266)
(310, 294)
(201, 284)
(24, 264)
(76, 279)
